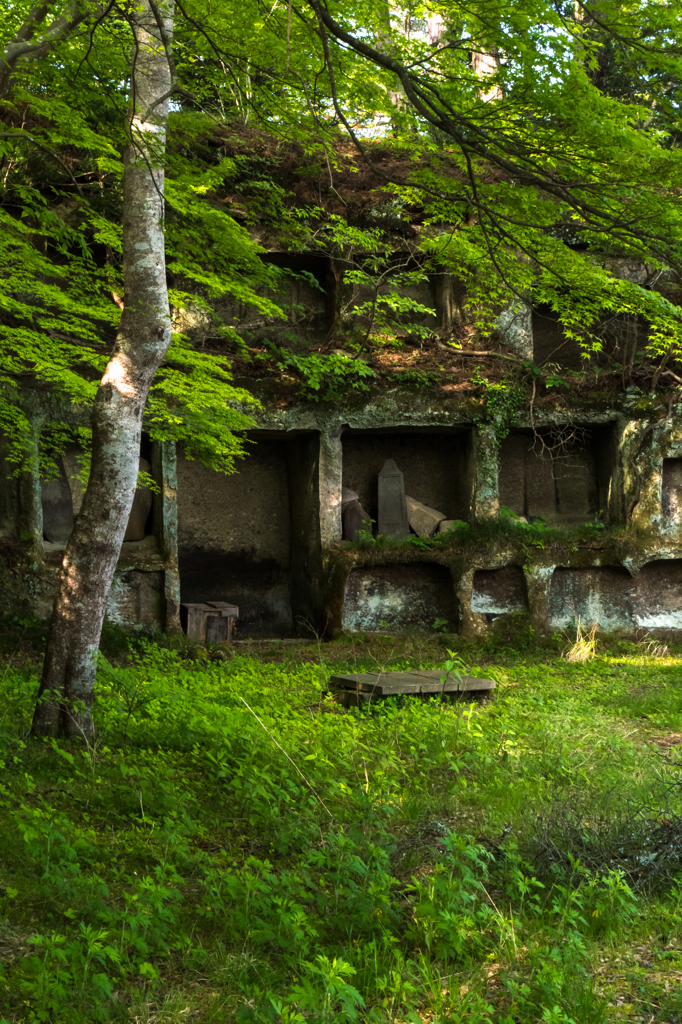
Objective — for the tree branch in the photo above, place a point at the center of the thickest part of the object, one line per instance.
(24, 47)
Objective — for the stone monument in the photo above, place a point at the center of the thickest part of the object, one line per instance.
(392, 518)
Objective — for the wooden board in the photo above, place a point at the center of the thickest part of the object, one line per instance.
(423, 681)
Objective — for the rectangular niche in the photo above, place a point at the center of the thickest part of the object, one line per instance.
(397, 597)
(658, 596)
(252, 538)
(307, 295)
(620, 338)
(358, 300)
(564, 479)
(499, 591)
(437, 465)
(602, 594)
(62, 497)
(550, 343)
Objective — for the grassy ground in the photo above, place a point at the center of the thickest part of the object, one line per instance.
(235, 848)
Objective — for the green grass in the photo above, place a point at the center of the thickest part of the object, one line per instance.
(234, 847)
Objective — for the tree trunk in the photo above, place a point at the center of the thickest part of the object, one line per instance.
(67, 685)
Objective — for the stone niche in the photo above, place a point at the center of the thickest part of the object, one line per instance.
(398, 597)
(658, 596)
(603, 594)
(253, 538)
(620, 337)
(307, 295)
(499, 591)
(437, 466)
(565, 483)
(62, 497)
(433, 292)
(550, 344)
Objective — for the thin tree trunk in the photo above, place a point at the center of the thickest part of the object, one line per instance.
(67, 686)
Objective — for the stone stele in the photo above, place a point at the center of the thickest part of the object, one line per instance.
(139, 513)
(393, 520)
(423, 520)
(355, 521)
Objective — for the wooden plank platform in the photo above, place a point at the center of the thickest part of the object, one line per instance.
(363, 687)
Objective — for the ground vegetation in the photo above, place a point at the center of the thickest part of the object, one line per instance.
(235, 847)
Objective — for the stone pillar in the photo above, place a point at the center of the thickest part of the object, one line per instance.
(538, 583)
(472, 623)
(486, 486)
(164, 471)
(330, 483)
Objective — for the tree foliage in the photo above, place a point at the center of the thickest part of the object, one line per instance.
(535, 184)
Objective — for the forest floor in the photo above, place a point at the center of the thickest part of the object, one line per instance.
(234, 847)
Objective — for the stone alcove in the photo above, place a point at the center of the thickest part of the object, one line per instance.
(566, 475)
(437, 465)
(603, 594)
(499, 591)
(252, 538)
(658, 596)
(62, 497)
(399, 596)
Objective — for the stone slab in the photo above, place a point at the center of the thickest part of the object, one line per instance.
(347, 494)
(355, 521)
(386, 684)
(392, 516)
(448, 524)
(423, 519)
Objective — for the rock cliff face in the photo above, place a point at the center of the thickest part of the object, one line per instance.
(564, 503)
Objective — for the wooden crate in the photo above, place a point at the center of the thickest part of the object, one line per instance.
(212, 622)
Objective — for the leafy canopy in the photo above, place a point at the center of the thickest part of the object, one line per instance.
(534, 181)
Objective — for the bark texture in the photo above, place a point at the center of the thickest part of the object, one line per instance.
(67, 685)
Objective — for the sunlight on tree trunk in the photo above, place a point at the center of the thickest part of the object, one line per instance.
(485, 65)
(67, 686)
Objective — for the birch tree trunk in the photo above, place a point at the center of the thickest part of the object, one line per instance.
(67, 686)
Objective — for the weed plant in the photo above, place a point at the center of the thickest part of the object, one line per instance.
(234, 847)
